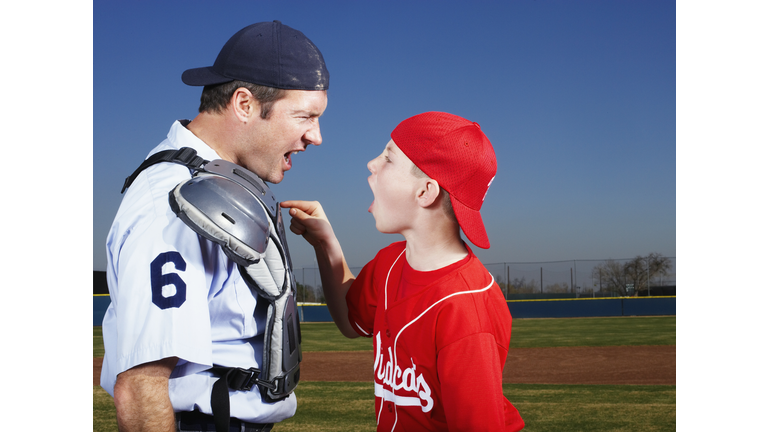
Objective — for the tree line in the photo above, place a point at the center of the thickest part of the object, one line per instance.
(631, 277)
(619, 278)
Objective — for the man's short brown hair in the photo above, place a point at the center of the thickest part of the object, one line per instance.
(216, 97)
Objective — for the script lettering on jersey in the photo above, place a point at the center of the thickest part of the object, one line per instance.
(393, 378)
(161, 281)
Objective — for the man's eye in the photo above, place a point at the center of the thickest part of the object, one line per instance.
(386, 158)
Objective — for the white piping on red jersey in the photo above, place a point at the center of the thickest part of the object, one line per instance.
(362, 330)
(386, 281)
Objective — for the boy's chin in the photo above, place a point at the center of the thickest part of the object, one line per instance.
(378, 225)
(384, 230)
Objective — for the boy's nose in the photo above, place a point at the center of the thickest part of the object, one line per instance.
(371, 165)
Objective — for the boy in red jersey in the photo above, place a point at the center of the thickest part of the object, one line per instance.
(439, 323)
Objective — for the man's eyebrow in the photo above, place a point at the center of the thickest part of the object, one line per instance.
(390, 148)
(310, 113)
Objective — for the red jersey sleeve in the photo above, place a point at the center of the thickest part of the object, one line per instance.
(361, 300)
(470, 378)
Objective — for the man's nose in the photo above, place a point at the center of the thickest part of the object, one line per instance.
(313, 135)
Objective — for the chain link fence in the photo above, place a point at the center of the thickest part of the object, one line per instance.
(653, 275)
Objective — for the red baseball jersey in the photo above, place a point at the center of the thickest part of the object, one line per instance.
(440, 341)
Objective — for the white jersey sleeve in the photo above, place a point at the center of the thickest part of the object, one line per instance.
(159, 285)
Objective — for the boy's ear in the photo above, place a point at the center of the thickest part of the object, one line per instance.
(428, 193)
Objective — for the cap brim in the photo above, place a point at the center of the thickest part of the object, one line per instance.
(471, 223)
(202, 77)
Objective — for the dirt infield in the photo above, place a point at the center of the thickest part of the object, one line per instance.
(566, 365)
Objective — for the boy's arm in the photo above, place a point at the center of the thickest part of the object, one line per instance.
(309, 220)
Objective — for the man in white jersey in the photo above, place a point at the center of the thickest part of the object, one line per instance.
(179, 304)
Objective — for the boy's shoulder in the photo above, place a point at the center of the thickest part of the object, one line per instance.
(399, 245)
(384, 259)
(390, 252)
(471, 276)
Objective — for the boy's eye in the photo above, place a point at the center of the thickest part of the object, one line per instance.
(386, 158)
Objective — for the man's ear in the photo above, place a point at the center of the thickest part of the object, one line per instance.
(243, 105)
(428, 193)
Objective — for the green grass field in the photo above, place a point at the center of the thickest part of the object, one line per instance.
(551, 408)
(611, 331)
(337, 406)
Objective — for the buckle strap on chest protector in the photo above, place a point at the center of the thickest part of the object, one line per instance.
(237, 379)
(184, 156)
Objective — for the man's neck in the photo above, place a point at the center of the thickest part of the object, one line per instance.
(211, 130)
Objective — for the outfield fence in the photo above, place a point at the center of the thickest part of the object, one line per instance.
(532, 289)
(552, 308)
(631, 277)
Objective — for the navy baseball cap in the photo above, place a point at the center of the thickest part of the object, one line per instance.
(269, 54)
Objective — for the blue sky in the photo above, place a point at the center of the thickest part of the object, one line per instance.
(603, 152)
(578, 99)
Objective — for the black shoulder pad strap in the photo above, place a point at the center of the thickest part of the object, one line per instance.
(184, 156)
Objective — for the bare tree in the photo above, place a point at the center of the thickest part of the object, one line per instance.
(309, 294)
(558, 288)
(639, 271)
(521, 286)
(611, 277)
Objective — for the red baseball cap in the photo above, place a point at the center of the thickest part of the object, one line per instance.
(456, 153)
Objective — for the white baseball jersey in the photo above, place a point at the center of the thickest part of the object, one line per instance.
(175, 294)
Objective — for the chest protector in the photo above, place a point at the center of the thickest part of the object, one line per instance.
(231, 206)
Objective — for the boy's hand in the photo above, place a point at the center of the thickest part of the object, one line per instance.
(309, 221)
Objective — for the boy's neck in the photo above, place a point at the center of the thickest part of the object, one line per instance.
(432, 253)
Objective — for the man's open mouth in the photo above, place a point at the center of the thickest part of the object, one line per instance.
(287, 156)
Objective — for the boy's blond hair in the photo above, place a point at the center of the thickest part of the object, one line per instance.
(445, 199)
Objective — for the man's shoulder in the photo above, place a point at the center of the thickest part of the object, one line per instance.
(179, 137)
(147, 196)
(154, 183)
(157, 180)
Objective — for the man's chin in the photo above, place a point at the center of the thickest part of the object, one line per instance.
(274, 177)
(279, 178)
